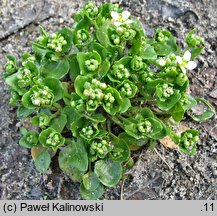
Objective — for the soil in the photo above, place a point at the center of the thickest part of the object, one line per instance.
(157, 174)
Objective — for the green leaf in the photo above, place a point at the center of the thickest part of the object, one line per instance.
(59, 123)
(72, 115)
(42, 162)
(95, 117)
(177, 112)
(125, 105)
(23, 131)
(109, 172)
(120, 104)
(172, 43)
(24, 112)
(158, 129)
(56, 86)
(195, 52)
(121, 151)
(68, 36)
(66, 166)
(149, 52)
(42, 31)
(79, 85)
(91, 195)
(163, 49)
(146, 113)
(77, 155)
(24, 142)
(102, 34)
(83, 57)
(56, 69)
(39, 49)
(45, 135)
(191, 102)
(132, 141)
(170, 102)
(12, 81)
(103, 69)
(26, 101)
(207, 114)
(90, 181)
(83, 23)
(100, 49)
(74, 67)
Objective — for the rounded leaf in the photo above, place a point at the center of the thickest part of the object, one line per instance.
(90, 181)
(91, 195)
(109, 172)
(56, 69)
(56, 86)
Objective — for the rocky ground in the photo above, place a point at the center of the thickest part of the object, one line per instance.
(159, 173)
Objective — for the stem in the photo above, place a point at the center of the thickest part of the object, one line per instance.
(138, 99)
(58, 106)
(109, 125)
(120, 117)
(111, 134)
(89, 166)
(116, 121)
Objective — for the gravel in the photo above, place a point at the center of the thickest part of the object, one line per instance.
(157, 174)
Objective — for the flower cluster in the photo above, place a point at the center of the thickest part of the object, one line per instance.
(145, 127)
(162, 36)
(194, 40)
(56, 42)
(10, 67)
(126, 89)
(41, 96)
(94, 92)
(164, 91)
(100, 148)
(88, 132)
(120, 72)
(137, 63)
(82, 36)
(92, 64)
(25, 78)
(91, 9)
(188, 141)
(44, 120)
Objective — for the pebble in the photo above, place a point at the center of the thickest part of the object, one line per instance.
(213, 93)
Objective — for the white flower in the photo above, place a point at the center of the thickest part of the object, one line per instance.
(120, 18)
(185, 62)
(162, 62)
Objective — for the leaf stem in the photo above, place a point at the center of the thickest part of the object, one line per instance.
(58, 106)
(138, 99)
(116, 121)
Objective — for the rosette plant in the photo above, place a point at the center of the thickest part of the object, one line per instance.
(97, 90)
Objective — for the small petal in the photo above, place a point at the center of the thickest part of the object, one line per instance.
(117, 23)
(115, 15)
(128, 22)
(125, 15)
(179, 59)
(183, 69)
(187, 56)
(191, 65)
